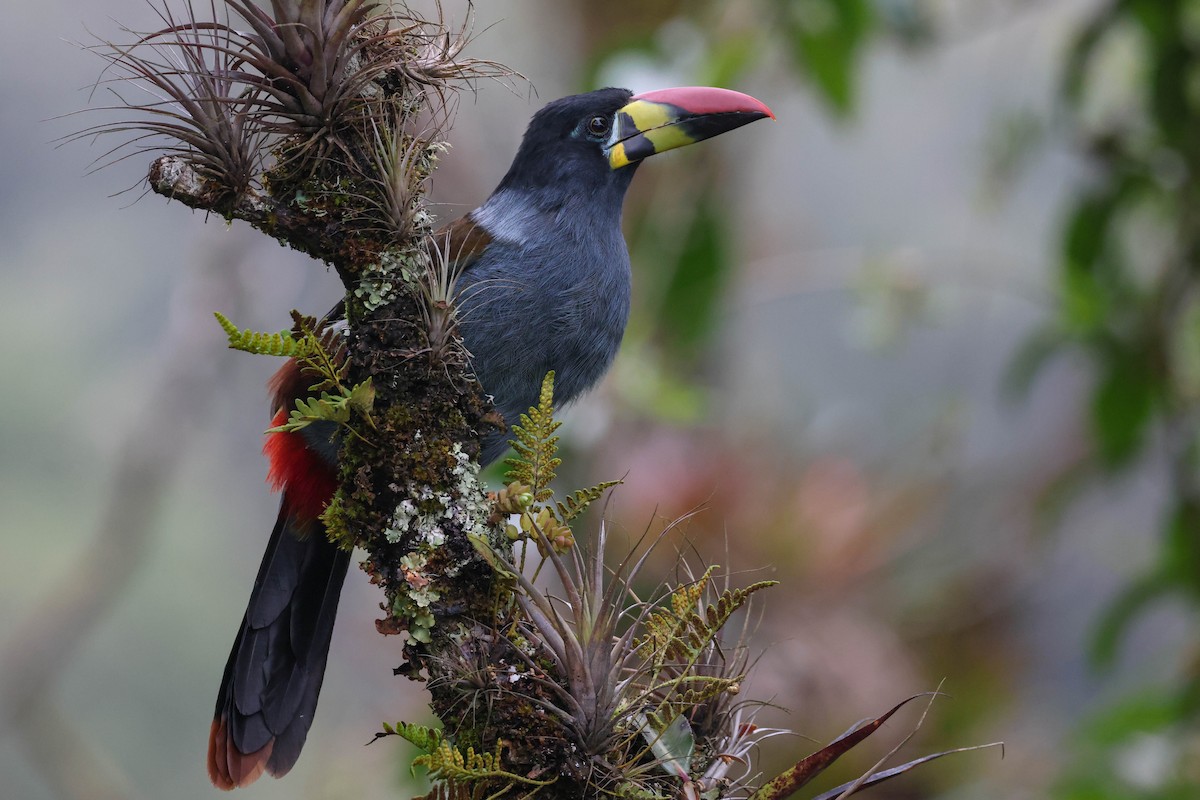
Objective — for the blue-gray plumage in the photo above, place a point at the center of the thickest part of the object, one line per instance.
(544, 285)
(551, 289)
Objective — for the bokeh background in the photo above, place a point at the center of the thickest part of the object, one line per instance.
(926, 350)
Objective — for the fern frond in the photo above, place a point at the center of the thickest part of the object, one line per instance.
(448, 763)
(536, 445)
(575, 504)
(361, 400)
(259, 343)
(322, 356)
(327, 407)
(687, 692)
(680, 634)
(425, 738)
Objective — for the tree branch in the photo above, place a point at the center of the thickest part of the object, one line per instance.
(176, 178)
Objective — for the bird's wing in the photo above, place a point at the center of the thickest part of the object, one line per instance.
(462, 242)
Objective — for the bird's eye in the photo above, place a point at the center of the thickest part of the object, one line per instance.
(598, 126)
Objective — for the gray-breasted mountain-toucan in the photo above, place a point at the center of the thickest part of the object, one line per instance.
(544, 285)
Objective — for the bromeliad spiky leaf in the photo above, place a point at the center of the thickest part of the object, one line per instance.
(200, 107)
(806, 769)
(457, 791)
(231, 90)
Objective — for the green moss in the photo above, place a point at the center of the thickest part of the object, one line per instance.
(334, 518)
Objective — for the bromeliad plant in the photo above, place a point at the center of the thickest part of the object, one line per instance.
(601, 692)
(299, 81)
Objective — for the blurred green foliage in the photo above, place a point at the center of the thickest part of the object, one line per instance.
(1129, 280)
(1129, 286)
(826, 38)
(1136, 750)
(1130, 273)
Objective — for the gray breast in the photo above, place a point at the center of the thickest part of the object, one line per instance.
(551, 302)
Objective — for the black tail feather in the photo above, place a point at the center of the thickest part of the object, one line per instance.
(269, 690)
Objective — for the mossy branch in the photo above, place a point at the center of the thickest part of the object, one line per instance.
(179, 178)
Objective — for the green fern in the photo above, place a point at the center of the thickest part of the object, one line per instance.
(532, 470)
(536, 445)
(319, 350)
(337, 408)
(323, 356)
(330, 407)
(681, 695)
(326, 408)
(452, 766)
(577, 503)
(674, 641)
(680, 634)
(425, 738)
(259, 343)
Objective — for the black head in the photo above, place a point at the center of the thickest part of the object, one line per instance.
(565, 145)
(590, 144)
